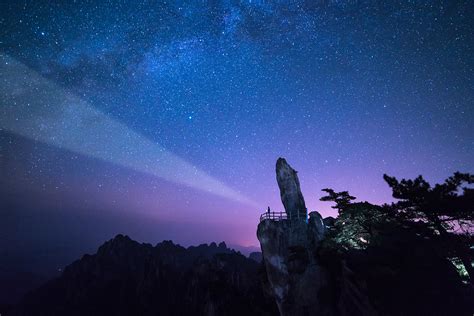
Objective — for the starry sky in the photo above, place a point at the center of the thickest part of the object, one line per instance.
(164, 119)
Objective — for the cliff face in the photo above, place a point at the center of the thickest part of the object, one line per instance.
(289, 249)
(294, 275)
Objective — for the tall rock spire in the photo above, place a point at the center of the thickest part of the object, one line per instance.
(289, 248)
(290, 191)
(297, 280)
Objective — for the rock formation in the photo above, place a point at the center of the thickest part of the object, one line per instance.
(313, 269)
(289, 249)
(290, 191)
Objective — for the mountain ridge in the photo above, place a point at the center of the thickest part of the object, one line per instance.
(127, 277)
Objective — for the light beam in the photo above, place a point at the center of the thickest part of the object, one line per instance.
(36, 108)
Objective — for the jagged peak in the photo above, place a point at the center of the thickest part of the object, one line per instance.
(120, 243)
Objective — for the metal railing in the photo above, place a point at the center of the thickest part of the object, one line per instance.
(274, 216)
(280, 216)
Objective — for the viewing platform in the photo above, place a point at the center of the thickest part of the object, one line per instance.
(280, 216)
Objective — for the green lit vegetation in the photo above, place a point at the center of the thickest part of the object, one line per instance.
(410, 249)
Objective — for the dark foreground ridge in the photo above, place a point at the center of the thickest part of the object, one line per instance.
(125, 277)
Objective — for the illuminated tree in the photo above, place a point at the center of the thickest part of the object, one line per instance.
(342, 199)
(357, 223)
(447, 209)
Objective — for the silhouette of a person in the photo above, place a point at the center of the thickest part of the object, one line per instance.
(268, 211)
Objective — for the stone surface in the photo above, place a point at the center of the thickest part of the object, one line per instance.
(294, 276)
(290, 191)
(289, 250)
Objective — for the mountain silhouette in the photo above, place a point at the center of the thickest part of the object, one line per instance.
(125, 277)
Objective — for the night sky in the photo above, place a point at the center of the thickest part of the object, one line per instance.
(164, 119)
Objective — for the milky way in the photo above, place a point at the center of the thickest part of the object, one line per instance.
(345, 90)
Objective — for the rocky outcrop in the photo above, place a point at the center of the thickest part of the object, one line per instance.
(316, 266)
(128, 278)
(290, 191)
(289, 248)
(299, 282)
